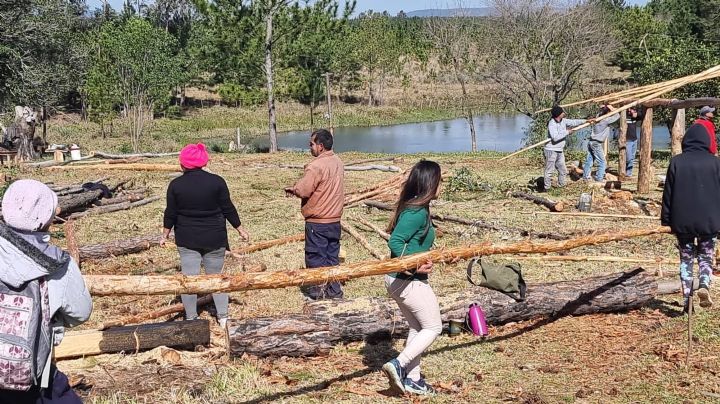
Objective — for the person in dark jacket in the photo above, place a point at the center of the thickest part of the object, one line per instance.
(631, 140)
(690, 207)
(198, 204)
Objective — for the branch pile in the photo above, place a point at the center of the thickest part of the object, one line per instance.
(77, 201)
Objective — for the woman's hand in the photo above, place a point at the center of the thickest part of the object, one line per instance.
(165, 235)
(243, 233)
(425, 268)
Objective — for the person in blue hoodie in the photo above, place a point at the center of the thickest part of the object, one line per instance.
(690, 207)
(28, 209)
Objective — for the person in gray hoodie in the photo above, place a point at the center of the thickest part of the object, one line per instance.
(599, 134)
(28, 209)
(555, 148)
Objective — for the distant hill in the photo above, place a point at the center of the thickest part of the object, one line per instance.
(449, 12)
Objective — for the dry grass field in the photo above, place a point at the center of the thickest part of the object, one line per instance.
(637, 356)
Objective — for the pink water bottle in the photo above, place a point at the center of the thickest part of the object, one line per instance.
(476, 320)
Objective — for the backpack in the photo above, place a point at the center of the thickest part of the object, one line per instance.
(505, 278)
(25, 332)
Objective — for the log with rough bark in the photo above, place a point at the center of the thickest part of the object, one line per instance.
(130, 196)
(481, 224)
(82, 200)
(552, 205)
(155, 314)
(74, 189)
(120, 247)
(119, 285)
(645, 173)
(360, 239)
(327, 323)
(113, 208)
(127, 156)
(129, 166)
(185, 334)
(72, 246)
(263, 245)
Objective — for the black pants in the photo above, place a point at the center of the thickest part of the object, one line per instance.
(322, 249)
(58, 391)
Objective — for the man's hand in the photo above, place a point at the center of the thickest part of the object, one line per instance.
(425, 268)
(289, 191)
(243, 233)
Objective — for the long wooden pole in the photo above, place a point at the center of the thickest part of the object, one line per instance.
(707, 74)
(590, 258)
(119, 285)
(645, 171)
(360, 239)
(622, 147)
(597, 215)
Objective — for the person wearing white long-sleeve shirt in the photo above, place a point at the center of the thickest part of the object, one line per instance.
(555, 148)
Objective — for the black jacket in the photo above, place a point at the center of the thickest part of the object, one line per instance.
(691, 199)
(198, 203)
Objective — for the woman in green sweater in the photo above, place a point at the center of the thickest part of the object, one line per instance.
(413, 232)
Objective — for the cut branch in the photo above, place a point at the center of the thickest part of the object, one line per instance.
(360, 239)
(113, 208)
(118, 285)
(155, 314)
(552, 205)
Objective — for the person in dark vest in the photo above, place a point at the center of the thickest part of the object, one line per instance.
(198, 204)
(690, 207)
(631, 140)
(321, 190)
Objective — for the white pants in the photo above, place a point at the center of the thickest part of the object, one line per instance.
(420, 308)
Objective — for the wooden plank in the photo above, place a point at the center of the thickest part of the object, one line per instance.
(134, 338)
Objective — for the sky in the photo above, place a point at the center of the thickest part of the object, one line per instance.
(391, 6)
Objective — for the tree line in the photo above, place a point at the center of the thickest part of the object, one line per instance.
(137, 62)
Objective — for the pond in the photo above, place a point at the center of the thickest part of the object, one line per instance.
(495, 132)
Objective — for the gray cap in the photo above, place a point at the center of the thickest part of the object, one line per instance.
(706, 109)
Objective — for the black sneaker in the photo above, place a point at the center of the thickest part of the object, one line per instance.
(418, 387)
(396, 375)
(703, 294)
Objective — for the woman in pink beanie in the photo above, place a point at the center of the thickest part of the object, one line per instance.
(198, 204)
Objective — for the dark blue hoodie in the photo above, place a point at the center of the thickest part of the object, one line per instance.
(691, 199)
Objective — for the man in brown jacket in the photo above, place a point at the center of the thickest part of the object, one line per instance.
(322, 195)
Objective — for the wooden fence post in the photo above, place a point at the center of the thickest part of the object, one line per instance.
(678, 130)
(645, 175)
(622, 146)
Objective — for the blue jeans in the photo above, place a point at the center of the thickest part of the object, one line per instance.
(595, 152)
(630, 151)
(322, 249)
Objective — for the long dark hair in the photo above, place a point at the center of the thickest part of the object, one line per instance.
(419, 189)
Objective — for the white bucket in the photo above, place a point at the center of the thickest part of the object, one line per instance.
(75, 153)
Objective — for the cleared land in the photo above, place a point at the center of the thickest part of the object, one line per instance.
(626, 357)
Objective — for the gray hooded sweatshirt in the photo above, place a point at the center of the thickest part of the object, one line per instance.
(70, 301)
(601, 130)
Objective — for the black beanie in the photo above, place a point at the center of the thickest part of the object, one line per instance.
(556, 111)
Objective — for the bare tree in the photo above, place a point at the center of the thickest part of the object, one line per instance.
(538, 50)
(453, 40)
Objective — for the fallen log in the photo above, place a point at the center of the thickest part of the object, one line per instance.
(585, 258)
(72, 246)
(392, 181)
(365, 161)
(481, 224)
(263, 245)
(597, 215)
(74, 189)
(184, 334)
(131, 196)
(382, 233)
(327, 323)
(360, 239)
(129, 166)
(155, 314)
(133, 155)
(119, 247)
(119, 285)
(552, 205)
(113, 208)
(392, 169)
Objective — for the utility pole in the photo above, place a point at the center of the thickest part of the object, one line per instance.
(329, 102)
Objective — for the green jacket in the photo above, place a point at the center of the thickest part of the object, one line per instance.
(407, 237)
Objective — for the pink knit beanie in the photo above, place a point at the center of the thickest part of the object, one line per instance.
(28, 205)
(194, 156)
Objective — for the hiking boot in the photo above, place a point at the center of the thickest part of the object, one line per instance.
(418, 387)
(703, 294)
(396, 375)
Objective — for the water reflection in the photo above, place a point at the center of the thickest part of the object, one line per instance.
(494, 132)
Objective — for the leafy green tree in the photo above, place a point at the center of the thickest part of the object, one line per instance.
(136, 66)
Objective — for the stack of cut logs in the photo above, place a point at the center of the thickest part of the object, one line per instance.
(80, 200)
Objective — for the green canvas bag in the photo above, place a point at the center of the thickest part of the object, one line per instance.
(505, 278)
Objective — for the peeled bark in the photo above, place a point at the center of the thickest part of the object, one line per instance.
(622, 147)
(119, 285)
(678, 131)
(129, 166)
(113, 208)
(155, 314)
(327, 323)
(104, 155)
(263, 245)
(645, 175)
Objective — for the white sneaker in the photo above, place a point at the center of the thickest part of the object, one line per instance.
(222, 322)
